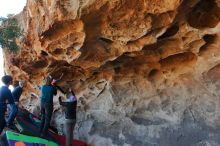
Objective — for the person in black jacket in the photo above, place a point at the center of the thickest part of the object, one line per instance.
(70, 115)
(16, 93)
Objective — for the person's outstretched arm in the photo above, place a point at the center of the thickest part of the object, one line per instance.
(61, 90)
(59, 78)
(61, 102)
(73, 93)
(55, 91)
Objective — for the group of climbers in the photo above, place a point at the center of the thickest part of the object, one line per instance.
(47, 93)
(11, 98)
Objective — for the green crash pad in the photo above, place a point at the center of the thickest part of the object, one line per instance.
(13, 137)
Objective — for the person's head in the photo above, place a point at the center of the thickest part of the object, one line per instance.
(15, 83)
(70, 91)
(48, 80)
(53, 82)
(7, 80)
(21, 84)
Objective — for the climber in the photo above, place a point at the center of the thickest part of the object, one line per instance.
(16, 93)
(54, 83)
(5, 98)
(47, 93)
(70, 115)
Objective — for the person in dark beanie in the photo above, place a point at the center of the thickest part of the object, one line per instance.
(16, 93)
(70, 115)
(5, 98)
(47, 93)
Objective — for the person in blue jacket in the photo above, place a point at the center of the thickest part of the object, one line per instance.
(5, 98)
(46, 97)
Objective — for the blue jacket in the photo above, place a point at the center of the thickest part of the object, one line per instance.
(16, 93)
(47, 93)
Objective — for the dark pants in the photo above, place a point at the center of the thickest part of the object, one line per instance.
(46, 113)
(12, 114)
(2, 120)
(69, 127)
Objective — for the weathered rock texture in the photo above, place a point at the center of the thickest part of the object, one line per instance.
(146, 72)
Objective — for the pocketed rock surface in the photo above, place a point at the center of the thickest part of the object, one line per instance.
(146, 72)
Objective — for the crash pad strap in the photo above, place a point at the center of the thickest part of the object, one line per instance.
(29, 139)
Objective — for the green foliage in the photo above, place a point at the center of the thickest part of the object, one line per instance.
(9, 31)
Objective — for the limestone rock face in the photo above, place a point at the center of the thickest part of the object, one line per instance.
(146, 72)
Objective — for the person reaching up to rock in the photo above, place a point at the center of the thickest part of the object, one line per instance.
(46, 97)
(16, 93)
(5, 97)
(70, 115)
(54, 83)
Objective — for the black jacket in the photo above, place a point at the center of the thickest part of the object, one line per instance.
(70, 108)
(16, 93)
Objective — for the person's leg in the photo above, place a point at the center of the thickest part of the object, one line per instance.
(67, 132)
(2, 121)
(72, 125)
(12, 114)
(42, 117)
(69, 126)
(48, 114)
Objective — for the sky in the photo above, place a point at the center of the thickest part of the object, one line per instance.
(9, 7)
